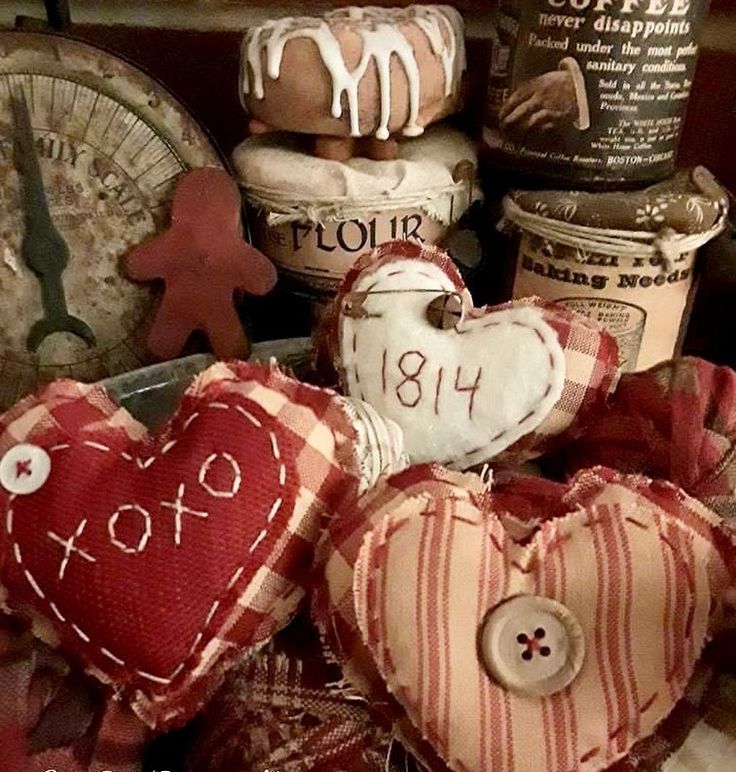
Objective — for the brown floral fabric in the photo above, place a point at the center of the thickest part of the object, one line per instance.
(689, 203)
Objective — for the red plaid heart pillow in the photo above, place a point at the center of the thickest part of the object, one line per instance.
(156, 561)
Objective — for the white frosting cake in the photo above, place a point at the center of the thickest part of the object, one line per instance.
(382, 32)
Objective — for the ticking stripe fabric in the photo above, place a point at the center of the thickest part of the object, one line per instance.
(635, 577)
(521, 511)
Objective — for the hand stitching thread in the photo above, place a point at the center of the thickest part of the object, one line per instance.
(145, 465)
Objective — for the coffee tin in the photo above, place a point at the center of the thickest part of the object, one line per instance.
(591, 93)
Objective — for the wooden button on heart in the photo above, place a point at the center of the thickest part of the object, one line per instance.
(532, 645)
(445, 311)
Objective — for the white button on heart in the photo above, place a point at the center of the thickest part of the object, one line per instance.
(532, 645)
(24, 469)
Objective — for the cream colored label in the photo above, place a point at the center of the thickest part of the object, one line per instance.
(639, 300)
(320, 254)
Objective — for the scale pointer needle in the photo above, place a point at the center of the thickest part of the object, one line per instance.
(43, 248)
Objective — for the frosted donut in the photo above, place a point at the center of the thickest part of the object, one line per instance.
(355, 72)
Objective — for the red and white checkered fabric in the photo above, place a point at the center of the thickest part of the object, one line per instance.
(156, 562)
(591, 375)
(675, 422)
(590, 352)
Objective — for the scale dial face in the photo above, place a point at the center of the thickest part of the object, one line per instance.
(111, 143)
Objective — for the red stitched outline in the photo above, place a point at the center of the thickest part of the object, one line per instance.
(485, 326)
(648, 704)
(589, 755)
(496, 543)
(637, 523)
(594, 751)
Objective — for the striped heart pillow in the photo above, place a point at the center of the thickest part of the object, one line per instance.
(547, 653)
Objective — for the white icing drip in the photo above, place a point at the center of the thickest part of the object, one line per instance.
(381, 44)
(449, 47)
(380, 31)
(254, 60)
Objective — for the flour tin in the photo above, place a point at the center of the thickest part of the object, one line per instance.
(314, 217)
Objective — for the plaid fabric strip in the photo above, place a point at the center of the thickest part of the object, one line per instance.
(78, 406)
(674, 422)
(286, 708)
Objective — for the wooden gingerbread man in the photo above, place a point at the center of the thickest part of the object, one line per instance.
(203, 261)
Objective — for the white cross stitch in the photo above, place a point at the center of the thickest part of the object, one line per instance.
(69, 548)
(180, 509)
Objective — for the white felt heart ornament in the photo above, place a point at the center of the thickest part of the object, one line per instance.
(462, 394)
(464, 384)
(553, 655)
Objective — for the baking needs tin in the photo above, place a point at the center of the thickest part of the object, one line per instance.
(627, 260)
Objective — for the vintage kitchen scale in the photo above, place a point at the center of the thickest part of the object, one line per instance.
(90, 150)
